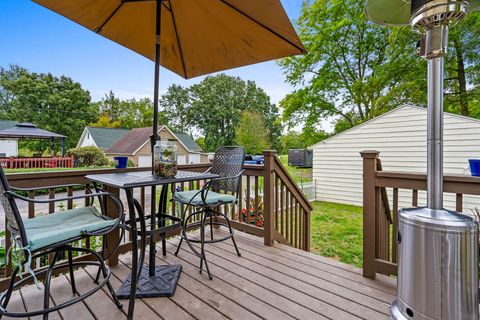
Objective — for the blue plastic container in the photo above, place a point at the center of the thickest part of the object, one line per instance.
(120, 162)
(474, 167)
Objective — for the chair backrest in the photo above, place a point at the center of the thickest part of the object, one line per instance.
(228, 162)
(14, 219)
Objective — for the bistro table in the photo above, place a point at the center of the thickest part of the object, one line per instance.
(154, 281)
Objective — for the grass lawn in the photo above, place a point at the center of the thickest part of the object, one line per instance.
(336, 231)
(298, 174)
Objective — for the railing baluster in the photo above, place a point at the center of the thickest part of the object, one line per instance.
(395, 225)
(459, 202)
(256, 201)
(415, 198)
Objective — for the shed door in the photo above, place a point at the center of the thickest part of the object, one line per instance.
(194, 158)
(144, 161)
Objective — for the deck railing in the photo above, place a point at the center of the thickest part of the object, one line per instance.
(384, 193)
(271, 204)
(44, 162)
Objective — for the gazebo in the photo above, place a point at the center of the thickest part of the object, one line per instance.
(31, 131)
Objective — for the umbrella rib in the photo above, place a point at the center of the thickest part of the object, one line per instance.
(178, 41)
(99, 29)
(263, 26)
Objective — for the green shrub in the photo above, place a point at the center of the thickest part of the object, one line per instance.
(88, 156)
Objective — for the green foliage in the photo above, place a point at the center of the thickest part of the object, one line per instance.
(131, 113)
(88, 156)
(214, 106)
(252, 133)
(52, 103)
(305, 139)
(201, 142)
(462, 68)
(354, 70)
(176, 106)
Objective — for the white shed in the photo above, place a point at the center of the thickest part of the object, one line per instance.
(400, 136)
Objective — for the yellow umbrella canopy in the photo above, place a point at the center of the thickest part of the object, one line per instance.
(397, 12)
(197, 36)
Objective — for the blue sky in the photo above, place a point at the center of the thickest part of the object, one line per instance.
(42, 41)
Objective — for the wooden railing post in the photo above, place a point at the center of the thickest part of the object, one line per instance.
(370, 159)
(268, 196)
(113, 237)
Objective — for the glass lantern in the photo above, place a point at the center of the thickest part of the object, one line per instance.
(165, 159)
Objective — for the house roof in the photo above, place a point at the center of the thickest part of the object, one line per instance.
(28, 130)
(188, 141)
(106, 137)
(131, 142)
(7, 124)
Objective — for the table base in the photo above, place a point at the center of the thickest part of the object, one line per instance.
(162, 284)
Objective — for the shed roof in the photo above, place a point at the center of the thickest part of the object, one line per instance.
(106, 137)
(28, 130)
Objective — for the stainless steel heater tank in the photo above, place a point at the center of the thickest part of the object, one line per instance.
(437, 270)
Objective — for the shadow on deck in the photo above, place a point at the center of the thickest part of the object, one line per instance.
(277, 283)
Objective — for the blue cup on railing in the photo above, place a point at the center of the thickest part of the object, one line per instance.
(474, 167)
(120, 162)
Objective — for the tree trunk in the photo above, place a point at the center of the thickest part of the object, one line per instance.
(462, 82)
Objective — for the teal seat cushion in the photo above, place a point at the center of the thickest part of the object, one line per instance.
(213, 198)
(43, 231)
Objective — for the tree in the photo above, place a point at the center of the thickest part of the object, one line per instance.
(131, 113)
(252, 133)
(463, 67)
(213, 108)
(354, 70)
(175, 104)
(302, 140)
(56, 104)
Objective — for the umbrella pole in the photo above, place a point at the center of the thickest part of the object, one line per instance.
(158, 22)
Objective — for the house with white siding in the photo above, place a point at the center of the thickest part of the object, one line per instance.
(401, 138)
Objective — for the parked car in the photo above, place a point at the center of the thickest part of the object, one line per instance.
(249, 159)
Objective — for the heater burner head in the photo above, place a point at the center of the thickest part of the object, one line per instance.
(428, 14)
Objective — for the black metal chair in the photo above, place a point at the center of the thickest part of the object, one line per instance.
(228, 165)
(54, 235)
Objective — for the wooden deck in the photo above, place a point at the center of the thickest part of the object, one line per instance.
(277, 283)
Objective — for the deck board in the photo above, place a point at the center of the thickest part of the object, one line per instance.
(273, 283)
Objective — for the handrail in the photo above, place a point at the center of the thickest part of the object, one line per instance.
(379, 240)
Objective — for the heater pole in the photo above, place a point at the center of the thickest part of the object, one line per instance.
(435, 133)
(435, 50)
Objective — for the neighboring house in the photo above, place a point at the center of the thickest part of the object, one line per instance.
(136, 145)
(9, 147)
(401, 138)
(102, 138)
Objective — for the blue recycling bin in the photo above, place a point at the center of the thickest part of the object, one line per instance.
(474, 167)
(120, 162)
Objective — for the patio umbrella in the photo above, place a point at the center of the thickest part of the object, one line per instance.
(189, 37)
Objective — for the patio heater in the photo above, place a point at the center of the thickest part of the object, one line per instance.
(438, 248)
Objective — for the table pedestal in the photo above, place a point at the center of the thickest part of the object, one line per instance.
(162, 284)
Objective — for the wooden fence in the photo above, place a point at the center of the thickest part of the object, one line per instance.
(271, 204)
(28, 163)
(381, 203)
